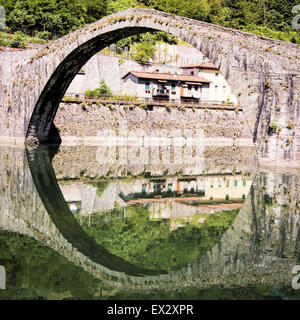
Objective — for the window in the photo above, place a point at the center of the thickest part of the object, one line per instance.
(244, 183)
(217, 74)
(220, 184)
(235, 183)
(196, 88)
(173, 88)
(147, 87)
(192, 73)
(189, 87)
(227, 183)
(211, 184)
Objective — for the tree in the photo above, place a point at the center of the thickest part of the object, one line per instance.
(104, 89)
(117, 5)
(143, 51)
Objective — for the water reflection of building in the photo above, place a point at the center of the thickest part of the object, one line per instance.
(208, 187)
(227, 187)
(86, 198)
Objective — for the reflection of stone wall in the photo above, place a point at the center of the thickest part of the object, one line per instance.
(171, 209)
(90, 200)
(101, 161)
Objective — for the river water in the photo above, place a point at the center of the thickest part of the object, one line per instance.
(128, 221)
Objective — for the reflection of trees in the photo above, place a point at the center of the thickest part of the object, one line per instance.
(151, 245)
(35, 271)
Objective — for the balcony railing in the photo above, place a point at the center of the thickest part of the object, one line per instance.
(81, 97)
(189, 94)
(161, 92)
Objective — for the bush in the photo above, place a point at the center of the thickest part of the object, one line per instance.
(104, 92)
(17, 40)
(104, 89)
(273, 126)
(3, 39)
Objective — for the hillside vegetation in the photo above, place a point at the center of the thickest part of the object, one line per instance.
(271, 18)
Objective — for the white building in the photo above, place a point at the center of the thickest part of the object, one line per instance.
(201, 82)
(166, 87)
(219, 90)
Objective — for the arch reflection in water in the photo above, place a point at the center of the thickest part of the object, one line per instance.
(263, 239)
(119, 194)
(164, 219)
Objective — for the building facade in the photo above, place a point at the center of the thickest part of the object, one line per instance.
(219, 90)
(166, 87)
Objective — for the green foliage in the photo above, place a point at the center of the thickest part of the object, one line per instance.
(264, 17)
(34, 270)
(143, 51)
(104, 92)
(104, 89)
(117, 5)
(55, 16)
(100, 185)
(150, 243)
(17, 40)
(273, 126)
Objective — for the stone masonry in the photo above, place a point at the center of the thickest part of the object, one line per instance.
(263, 73)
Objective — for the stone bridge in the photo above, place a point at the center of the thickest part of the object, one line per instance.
(259, 248)
(262, 72)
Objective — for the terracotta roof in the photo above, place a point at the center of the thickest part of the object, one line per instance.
(167, 76)
(204, 65)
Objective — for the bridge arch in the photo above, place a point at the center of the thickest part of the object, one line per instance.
(262, 72)
(77, 48)
(228, 49)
